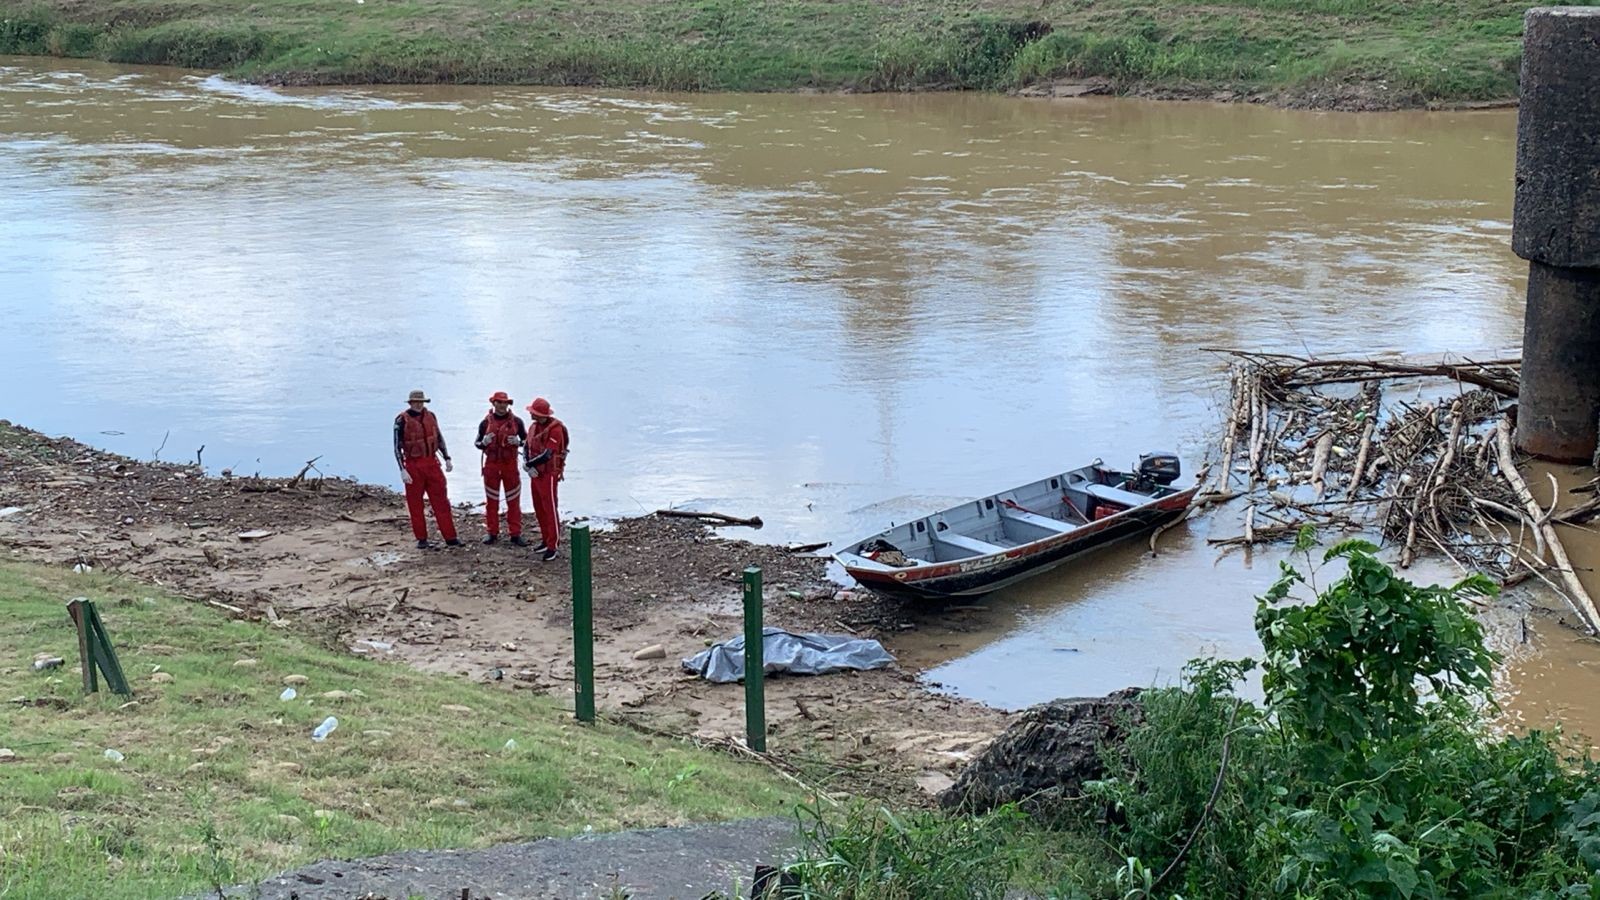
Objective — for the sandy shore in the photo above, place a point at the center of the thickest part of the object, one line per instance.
(339, 562)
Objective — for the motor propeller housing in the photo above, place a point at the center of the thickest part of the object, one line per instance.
(1160, 466)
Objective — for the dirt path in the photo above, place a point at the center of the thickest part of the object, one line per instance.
(338, 560)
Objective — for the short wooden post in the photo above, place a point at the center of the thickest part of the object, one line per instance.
(755, 698)
(95, 650)
(582, 625)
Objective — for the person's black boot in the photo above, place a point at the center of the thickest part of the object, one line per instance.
(517, 541)
(548, 555)
(423, 545)
(491, 538)
(453, 542)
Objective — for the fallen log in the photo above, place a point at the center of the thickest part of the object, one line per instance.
(1319, 464)
(1579, 599)
(805, 548)
(752, 522)
(1257, 536)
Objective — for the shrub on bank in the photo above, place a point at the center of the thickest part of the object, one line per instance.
(1367, 771)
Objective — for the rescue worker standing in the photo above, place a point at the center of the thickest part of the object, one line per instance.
(500, 434)
(546, 462)
(418, 444)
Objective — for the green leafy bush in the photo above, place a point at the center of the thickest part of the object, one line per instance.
(1366, 773)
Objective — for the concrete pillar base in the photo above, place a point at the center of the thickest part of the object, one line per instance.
(1558, 416)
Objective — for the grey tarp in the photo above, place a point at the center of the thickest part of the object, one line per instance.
(796, 654)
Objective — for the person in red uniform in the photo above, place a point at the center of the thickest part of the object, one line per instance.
(418, 444)
(546, 461)
(500, 435)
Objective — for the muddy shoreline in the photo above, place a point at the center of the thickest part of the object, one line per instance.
(339, 562)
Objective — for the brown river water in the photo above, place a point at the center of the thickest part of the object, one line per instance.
(830, 311)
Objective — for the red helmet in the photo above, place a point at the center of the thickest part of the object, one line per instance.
(500, 397)
(539, 407)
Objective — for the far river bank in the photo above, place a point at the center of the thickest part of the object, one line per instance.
(1348, 55)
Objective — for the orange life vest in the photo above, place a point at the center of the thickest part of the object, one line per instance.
(502, 430)
(552, 436)
(420, 438)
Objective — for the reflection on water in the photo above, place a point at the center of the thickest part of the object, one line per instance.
(829, 311)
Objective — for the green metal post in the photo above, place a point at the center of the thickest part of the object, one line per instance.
(755, 667)
(582, 625)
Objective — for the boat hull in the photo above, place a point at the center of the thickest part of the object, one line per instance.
(985, 574)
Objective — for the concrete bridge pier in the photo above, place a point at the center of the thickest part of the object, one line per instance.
(1556, 227)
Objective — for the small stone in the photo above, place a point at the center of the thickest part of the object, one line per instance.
(7, 755)
(457, 708)
(287, 820)
(295, 679)
(291, 768)
(335, 696)
(63, 759)
(246, 663)
(654, 651)
(196, 767)
(162, 678)
(322, 813)
(377, 733)
(127, 520)
(509, 647)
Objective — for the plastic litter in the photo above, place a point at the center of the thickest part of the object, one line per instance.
(511, 744)
(326, 728)
(47, 663)
(795, 654)
(82, 569)
(288, 694)
(113, 755)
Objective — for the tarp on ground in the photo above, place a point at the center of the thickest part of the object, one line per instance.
(789, 653)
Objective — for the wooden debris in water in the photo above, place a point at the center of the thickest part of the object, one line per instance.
(1349, 444)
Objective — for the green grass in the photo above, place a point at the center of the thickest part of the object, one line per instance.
(1394, 53)
(215, 764)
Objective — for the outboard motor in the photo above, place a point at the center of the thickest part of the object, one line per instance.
(1159, 467)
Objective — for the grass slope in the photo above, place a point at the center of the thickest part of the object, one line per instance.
(221, 782)
(1391, 52)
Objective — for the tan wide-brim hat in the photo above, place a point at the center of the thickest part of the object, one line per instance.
(417, 395)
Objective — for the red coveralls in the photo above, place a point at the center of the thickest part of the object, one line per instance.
(419, 448)
(500, 470)
(549, 435)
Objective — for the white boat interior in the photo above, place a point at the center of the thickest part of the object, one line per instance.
(1047, 508)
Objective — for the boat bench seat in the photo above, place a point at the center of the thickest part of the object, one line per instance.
(982, 548)
(1116, 495)
(1043, 523)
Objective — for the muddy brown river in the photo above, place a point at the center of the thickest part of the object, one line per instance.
(833, 312)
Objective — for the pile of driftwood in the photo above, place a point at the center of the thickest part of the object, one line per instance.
(1359, 445)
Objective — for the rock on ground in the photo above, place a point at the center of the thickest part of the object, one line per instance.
(649, 864)
(1046, 754)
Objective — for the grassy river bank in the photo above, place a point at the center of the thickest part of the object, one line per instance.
(219, 780)
(1361, 54)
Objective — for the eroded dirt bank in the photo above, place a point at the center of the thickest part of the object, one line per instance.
(336, 558)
